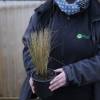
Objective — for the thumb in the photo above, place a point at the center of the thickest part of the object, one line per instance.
(58, 70)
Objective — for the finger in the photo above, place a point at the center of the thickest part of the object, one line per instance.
(58, 77)
(33, 90)
(31, 82)
(57, 86)
(61, 81)
(53, 85)
(58, 70)
(57, 83)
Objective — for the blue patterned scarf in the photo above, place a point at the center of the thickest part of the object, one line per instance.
(72, 8)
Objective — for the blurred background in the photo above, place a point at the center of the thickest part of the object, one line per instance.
(14, 18)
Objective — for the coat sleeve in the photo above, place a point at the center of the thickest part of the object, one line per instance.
(85, 71)
(29, 66)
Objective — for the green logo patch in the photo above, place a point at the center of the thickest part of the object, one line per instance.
(82, 36)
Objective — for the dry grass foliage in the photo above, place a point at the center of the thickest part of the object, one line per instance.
(39, 49)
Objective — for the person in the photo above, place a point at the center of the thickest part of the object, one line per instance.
(75, 32)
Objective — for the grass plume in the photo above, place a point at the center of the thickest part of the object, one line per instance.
(39, 49)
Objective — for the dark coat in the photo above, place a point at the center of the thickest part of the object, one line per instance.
(82, 69)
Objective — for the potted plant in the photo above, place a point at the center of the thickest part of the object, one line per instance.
(39, 47)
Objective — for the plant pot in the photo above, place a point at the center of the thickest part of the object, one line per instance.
(41, 85)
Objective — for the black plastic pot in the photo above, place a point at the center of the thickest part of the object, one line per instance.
(42, 85)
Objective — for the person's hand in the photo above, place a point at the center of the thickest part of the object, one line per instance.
(59, 80)
(31, 82)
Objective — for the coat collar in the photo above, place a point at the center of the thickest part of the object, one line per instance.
(44, 7)
(94, 9)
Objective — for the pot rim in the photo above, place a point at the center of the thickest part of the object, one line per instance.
(46, 80)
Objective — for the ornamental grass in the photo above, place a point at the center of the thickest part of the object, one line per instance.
(39, 47)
